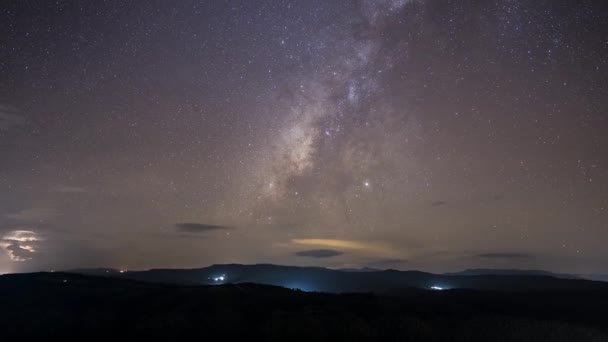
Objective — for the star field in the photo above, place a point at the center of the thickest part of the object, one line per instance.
(408, 134)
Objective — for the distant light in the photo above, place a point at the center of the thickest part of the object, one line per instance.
(437, 288)
(122, 271)
(219, 279)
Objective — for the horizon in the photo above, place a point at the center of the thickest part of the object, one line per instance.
(344, 269)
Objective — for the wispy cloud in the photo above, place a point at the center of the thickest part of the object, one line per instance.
(504, 255)
(366, 247)
(34, 214)
(199, 227)
(68, 189)
(10, 117)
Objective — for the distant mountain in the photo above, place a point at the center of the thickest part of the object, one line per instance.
(595, 277)
(327, 280)
(512, 272)
(95, 271)
(364, 269)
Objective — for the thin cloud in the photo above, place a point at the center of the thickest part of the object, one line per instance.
(319, 253)
(10, 117)
(506, 255)
(67, 189)
(34, 214)
(199, 227)
(365, 247)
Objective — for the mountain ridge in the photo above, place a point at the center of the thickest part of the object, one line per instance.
(378, 281)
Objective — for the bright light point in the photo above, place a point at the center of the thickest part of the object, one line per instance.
(437, 288)
(219, 279)
(366, 184)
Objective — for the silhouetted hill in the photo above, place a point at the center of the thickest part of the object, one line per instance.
(595, 277)
(53, 306)
(327, 280)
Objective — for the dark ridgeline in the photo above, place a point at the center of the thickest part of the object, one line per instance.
(367, 280)
(57, 305)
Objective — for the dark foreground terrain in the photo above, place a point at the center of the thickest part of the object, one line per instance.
(48, 306)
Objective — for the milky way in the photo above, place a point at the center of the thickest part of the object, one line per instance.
(409, 134)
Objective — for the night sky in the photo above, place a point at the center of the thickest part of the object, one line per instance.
(434, 135)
